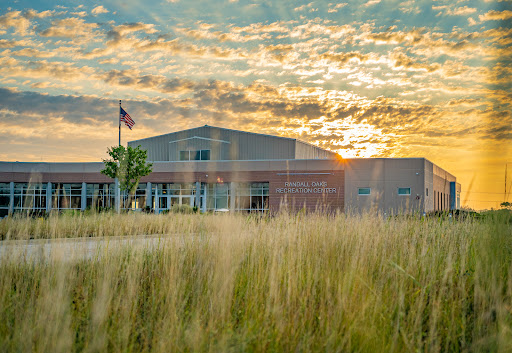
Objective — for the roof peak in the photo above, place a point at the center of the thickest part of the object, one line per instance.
(220, 128)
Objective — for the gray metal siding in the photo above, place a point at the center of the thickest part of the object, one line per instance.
(384, 176)
(429, 184)
(157, 147)
(304, 150)
(242, 145)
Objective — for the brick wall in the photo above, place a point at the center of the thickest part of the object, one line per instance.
(297, 189)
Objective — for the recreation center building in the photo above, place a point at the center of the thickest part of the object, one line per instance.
(218, 169)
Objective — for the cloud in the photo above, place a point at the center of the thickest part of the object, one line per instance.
(64, 71)
(159, 83)
(14, 19)
(135, 27)
(69, 28)
(460, 11)
(415, 36)
(122, 35)
(20, 21)
(118, 33)
(176, 47)
(33, 53)
(79, 14)
(99, 10)
(372, 2)
(454, 11)
(71, 108)
(408, 7)
(31, 13)
(344, 58)
(204, 33)
(333, 8)
(496, 16)
(6, 43)
(464, 102)
(422, 42)
(403, 61)
(304, 7)
(258, 28)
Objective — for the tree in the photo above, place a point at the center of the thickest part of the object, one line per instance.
(128, 165)
(506, 205)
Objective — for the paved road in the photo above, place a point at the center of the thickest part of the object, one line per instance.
(75, 248)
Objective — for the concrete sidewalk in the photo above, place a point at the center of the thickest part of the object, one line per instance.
(67, 249)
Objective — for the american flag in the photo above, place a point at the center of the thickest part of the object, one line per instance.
(124, 116)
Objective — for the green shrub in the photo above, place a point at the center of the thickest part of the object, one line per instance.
(185, 209)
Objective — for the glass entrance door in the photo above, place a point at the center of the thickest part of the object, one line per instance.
(162, 203)
(176, 194)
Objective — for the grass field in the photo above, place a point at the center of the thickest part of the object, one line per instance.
(235, 283)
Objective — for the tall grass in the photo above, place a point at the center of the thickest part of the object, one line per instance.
(313, 282)
(97, 225)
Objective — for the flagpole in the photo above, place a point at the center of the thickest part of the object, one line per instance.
(119, 122)
(118, 190)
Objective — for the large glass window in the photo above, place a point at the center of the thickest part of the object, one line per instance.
(195, 155)
(217, 196)
(198, 155)
(137, 201)
(222, 196)
(29, 196)
(66, 196)
(175, 189)
(243, 197)
(100, 196)
(205, 155)
(104, 196)
(364, 191)
(187, 189)
(404, 191)
(252, 197)
(5, 195)
(170, 194)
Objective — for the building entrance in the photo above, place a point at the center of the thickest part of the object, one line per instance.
(169, 195)
(166, 202)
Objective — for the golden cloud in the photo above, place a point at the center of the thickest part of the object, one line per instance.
(69, 28)
(16, 20)
(494, 15)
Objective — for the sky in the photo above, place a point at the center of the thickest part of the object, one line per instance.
(362, 78)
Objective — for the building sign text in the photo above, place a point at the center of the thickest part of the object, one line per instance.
(305, 187)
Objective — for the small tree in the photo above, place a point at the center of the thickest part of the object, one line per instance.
(128, 165)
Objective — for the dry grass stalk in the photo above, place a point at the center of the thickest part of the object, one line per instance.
(237, 283)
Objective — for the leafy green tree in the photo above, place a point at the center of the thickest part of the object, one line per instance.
(506, 204)
(128, 165)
